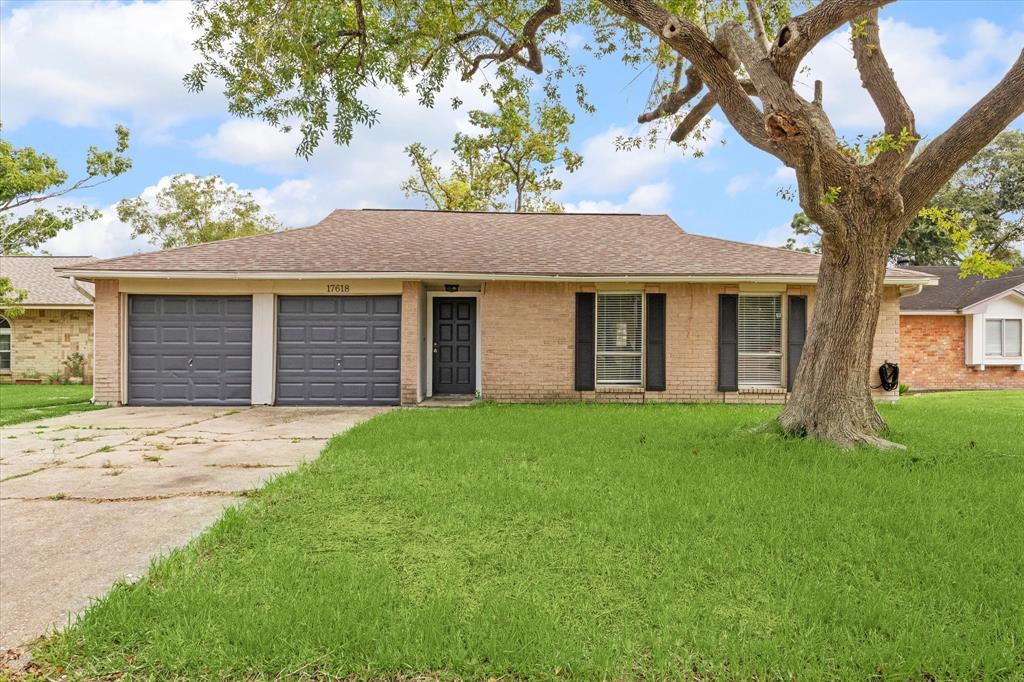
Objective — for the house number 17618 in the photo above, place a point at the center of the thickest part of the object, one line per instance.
(337, 288)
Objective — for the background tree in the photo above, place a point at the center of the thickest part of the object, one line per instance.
(193, 210)
(282, 59)
(976, 220)
(509, 165)
(29, 179)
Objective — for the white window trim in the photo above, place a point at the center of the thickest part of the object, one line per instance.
(8, 331)
(1001, 355)
(428, 389)
(783, 342)
(643, 341)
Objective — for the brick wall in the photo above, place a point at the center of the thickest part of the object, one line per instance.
(42, 338)
(107, 383)
(527, 344)
(411, 314)
(934, 359)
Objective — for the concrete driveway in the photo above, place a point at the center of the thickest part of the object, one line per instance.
(92, 497)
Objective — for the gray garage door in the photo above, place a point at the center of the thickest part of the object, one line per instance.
(338, 350)
(189, 350)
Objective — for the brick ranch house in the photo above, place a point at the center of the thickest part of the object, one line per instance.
(393, 306)
(56, 323)
(964, 333)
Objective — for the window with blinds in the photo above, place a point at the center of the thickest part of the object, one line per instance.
(619, 339)
(1003, 338)
(760, 340)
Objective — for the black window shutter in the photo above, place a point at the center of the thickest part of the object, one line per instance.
(585, 341)
(796, 332)
(728, 342)
(655, 342)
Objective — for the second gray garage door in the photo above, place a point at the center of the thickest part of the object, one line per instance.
(189, 350)
(338, 350)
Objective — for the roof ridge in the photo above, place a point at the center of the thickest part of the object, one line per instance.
(517, 213)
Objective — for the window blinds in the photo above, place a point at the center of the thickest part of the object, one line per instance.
(760, 340)
(619, 338)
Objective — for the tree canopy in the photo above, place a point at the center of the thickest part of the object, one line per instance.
(192, 210)
(510, 164)
(30, 183)
(976, 220)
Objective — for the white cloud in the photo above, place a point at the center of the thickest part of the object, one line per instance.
(105, 237)
(777, 236)
(937, 86)
(784, 174)
(367, 173)
(652, 198)
(737, 184)
(606, 169)
(89, 63)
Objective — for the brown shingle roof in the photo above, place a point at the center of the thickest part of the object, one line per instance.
(953, 293)
(509, 244)
(35, 274)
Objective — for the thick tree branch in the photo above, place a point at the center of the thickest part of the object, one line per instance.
(937, 163)
(754, 13)
(803, 32)
(689, 40)
(527, 41)
(674, 101)
(877, 78)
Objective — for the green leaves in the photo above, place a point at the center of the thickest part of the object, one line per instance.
(28, 177)
(975, 258)
(193, 210)
(510, 164)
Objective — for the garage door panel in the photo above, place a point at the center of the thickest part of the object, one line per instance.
(323, 334)
(189, 350)
(324, 330)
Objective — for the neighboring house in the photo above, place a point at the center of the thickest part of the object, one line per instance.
(392, 306)
(56, 323)
(964, 333)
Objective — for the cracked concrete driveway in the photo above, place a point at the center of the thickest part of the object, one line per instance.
(92, 497)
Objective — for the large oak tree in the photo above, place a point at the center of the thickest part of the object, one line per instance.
(310, 61)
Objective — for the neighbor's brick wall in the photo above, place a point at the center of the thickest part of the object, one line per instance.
(527, 343)
(934, 358)
(107, 382)
(411, 312)
(42, 338)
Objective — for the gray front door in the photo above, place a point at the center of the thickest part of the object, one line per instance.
(338, 350)
(189, 350)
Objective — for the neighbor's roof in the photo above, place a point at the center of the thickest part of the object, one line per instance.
(953, 293)
(35, 274)
(423, 243)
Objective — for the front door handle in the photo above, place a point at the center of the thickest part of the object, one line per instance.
(435, 348)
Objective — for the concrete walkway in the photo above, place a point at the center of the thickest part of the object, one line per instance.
(89, 498)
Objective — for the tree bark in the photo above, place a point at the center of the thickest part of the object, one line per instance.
(831, 397)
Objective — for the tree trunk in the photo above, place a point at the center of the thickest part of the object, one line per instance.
(832, 396)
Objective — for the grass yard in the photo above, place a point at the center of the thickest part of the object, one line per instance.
(600, 541)
(26, 402)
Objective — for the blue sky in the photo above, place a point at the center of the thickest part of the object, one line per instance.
(69, 71)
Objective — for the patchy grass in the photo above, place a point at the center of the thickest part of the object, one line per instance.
(27, 402)
(599, 541)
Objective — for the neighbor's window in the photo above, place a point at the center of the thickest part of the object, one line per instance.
(5, 343)
(1003, 338)
(760, 340)
(619, 338)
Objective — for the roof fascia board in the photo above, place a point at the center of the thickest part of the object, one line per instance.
(984, 303)
(929, 312)
(55, 306)
(152, 274)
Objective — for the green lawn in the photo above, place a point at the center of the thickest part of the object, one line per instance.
(25, 402)
(600, 541)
